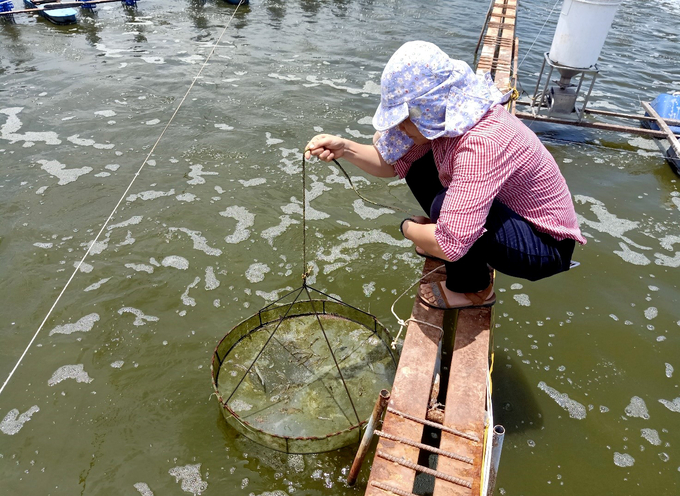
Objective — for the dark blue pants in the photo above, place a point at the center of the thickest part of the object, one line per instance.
(511, 244)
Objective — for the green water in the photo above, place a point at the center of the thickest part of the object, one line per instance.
(113, 396)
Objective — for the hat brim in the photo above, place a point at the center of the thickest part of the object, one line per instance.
(388, 117)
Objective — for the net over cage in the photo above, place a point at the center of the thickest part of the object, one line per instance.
(302, 374)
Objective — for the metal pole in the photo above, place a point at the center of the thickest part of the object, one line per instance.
(377, 414)
(496, 448)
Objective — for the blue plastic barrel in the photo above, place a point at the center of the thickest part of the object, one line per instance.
(668, 107)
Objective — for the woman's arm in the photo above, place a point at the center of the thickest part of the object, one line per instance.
(327, 147)
(423, 236)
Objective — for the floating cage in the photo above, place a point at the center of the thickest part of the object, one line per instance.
(302, 377)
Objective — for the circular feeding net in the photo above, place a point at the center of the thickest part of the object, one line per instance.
(303, 377)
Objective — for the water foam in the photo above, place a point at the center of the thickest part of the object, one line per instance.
(256, 272)
(132, 221)
(273, 232)
(673, 406)
(637, 408)
(143, 489)
(149, 195)
(369, 213)
(623, 460)
(253, 182)
(355, 239)
(14, 422)
(190, 477)
(652, 436)
(85, 324)
(97, 284)
(197, 174)
(186, 299)
(140, 267)
(200, 243)
(76, 372)
(140, 318)
(244, 220)
(76, 140)
(8, 130)
(576, 410)
(176, 262)
(211, 282)
(59, 170)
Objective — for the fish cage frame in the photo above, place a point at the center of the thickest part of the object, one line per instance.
(279, 312)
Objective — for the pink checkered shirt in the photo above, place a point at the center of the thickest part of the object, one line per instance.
(498, 158)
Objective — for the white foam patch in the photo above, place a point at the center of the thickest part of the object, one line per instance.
(606, 222)
(522, 299)
(516, 286)
(224, 127)
(105, 113)
(289, 77)
(85, 324)
(97, 284)
(631, 256)
(176, 262)
(272, 141)
(651, 313)
(76, 140)
(576, 410)
(186, 299)
(369, 88)
(99, 246)
(14, 421)
(276, 231)
(369, 288)
(244, 220)
(637, 408)
(623, 460)
(669, 370)
(76, 372)
(112, 167)
(197, 174)
(149, 195)
(60, 171)
(132, 221)
(143, 489)
(140, 318)
(186, 197)
(153, 60)
(337, 177)
(84, 267)
(358, 134)
(8, 130)
(128, 240)
(211, 282)
(117, 364)
(272, 295)
(673, 406)
(41, 190)
(140, 267)
(44, 246)
(253, 182)
(102, 174)
(652, 436)
(355, 239)
(190, 478)
(200, 243)
(256, 272)
(369, 213)
(644, 143)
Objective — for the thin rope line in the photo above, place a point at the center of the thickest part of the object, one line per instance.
(82, 260)
(404, 323)
(539, 34)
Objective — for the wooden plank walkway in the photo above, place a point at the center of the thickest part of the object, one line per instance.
(498, 49)
(459, 463)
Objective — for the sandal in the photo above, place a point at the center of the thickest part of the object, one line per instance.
(424, 254)
(437, 298)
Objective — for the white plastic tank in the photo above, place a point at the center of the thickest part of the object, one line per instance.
(581, 32)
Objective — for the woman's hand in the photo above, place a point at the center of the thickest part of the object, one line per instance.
(326, 147)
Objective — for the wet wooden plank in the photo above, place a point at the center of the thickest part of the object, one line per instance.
(410, 394)
(497, 51)
(466, 401)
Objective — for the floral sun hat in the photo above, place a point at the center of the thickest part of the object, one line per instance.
(442, 96)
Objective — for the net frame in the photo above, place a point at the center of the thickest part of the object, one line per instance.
(278, 312)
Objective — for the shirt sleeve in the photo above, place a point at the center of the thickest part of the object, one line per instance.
(478, 173)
